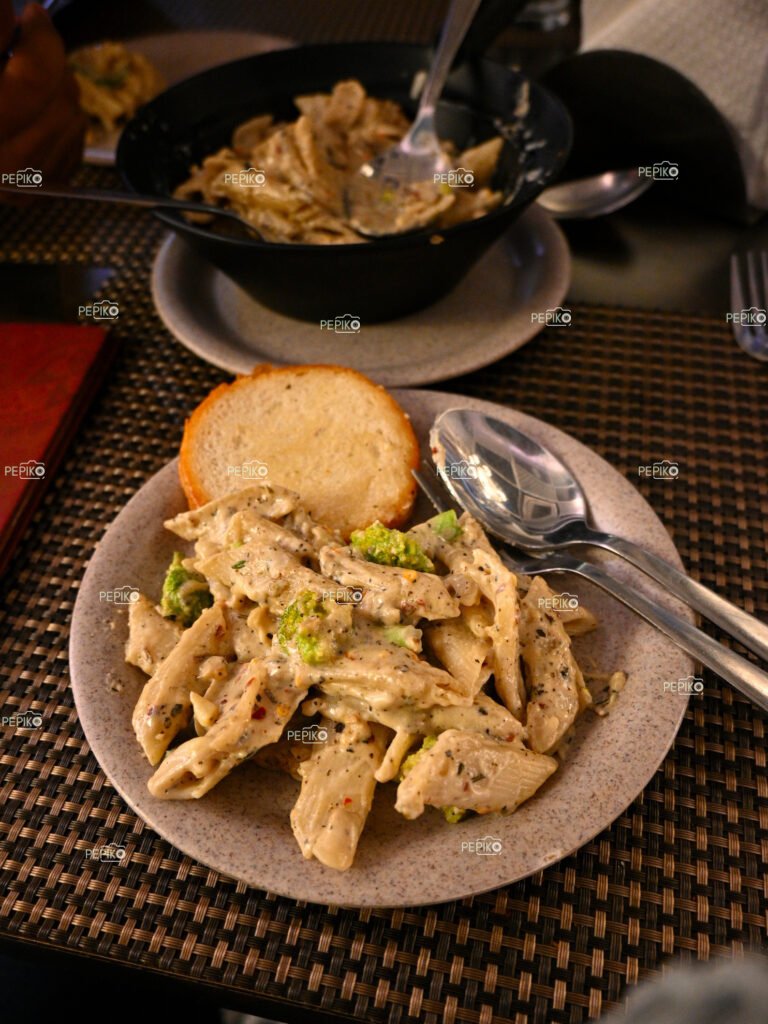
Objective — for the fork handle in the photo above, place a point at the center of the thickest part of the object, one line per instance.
(740, 673)
(734, 620)
(455, 27)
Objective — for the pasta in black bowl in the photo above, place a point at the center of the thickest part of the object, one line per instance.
(385, 278)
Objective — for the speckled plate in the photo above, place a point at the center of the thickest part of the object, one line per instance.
(177, 55)
(485, 317)
(241, 827)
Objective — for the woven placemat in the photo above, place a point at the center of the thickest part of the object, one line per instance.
(682, 872)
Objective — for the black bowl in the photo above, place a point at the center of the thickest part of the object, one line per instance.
(370, 281)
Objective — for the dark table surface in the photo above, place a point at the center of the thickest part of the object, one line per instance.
(648, 370)
(654, 255)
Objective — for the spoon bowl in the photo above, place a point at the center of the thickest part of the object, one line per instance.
(505, 479)
(596, 196)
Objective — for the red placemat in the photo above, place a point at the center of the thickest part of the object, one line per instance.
(50, 374)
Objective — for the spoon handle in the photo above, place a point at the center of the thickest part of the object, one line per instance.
(734, 620)
(742, 674)
(109, 196)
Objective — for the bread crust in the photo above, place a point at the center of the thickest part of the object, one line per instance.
(399, 508)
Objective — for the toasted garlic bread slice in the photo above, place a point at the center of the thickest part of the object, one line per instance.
(327, 432)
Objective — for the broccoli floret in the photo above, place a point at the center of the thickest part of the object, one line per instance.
(185, 593)
(404, 636)
(451, 814)
(416, 756)
(377, 543)
(446, 525)
(298, 628)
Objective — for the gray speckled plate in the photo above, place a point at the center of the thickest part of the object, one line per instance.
(241, 827)
(485, 317)
(177, 55)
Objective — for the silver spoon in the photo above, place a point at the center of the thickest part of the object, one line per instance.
(136, 199)
(594, 196)
(746, 677)
(374, 196)
(525, 495)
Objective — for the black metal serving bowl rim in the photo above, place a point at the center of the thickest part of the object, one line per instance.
(527, 194)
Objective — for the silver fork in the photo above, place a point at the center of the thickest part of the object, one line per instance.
(742, 674)
(749, 297)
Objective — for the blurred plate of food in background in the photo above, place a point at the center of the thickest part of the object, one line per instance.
(117, 77)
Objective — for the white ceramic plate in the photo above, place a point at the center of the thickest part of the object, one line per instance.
(177, 55)
(487, 315)
(241, 827)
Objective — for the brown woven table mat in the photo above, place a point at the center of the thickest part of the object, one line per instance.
(681, 872)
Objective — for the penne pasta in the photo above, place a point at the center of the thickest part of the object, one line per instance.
(337, 785)
(290, 181)
(164, 707)
(395, 657)
(556, 685)
(471, 772)
(113, 82)
(151, 637)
